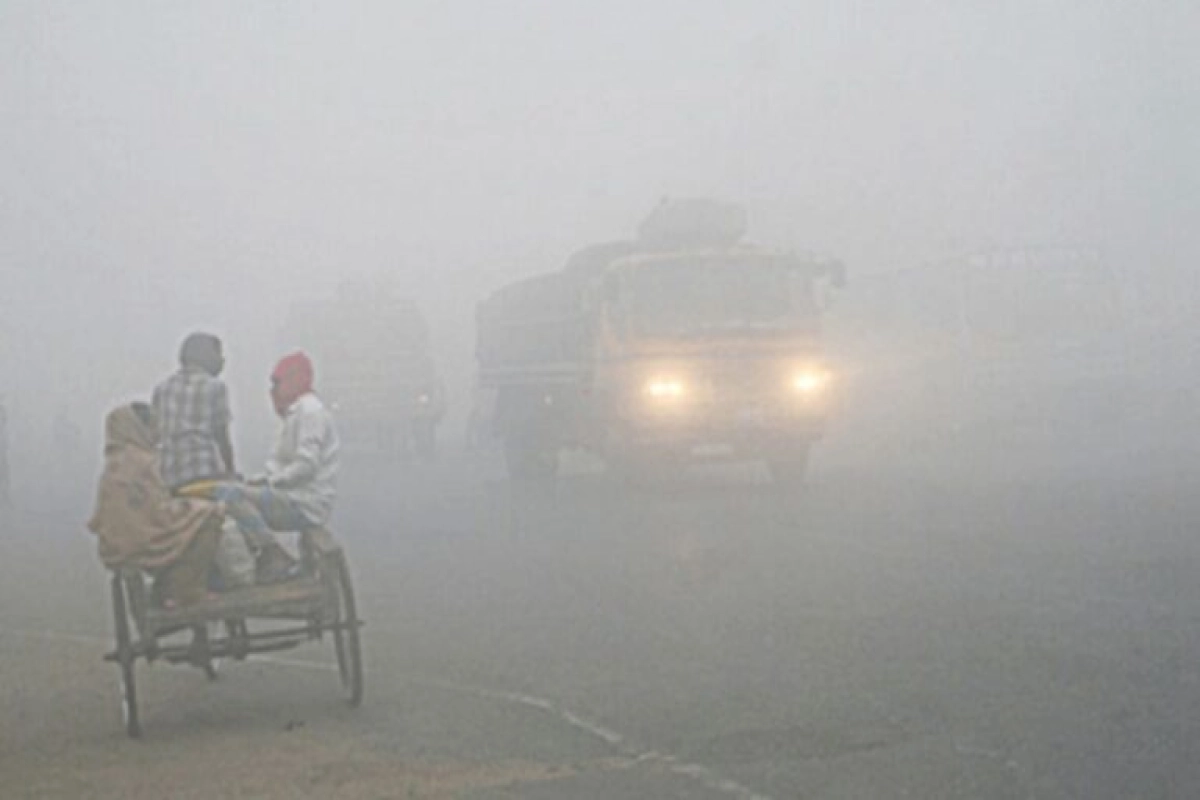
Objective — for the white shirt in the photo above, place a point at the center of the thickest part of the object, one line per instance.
(304, 467)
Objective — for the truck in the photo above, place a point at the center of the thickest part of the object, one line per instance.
(375, 367)
(680, 345)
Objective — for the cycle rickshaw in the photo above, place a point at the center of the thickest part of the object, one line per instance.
(316, 605)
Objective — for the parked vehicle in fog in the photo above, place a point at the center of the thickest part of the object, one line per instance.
(372, 345)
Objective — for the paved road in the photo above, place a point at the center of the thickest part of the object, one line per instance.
(876, 637)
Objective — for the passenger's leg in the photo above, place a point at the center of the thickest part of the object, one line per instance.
(240, 506)
(273, 564)
(185, 581)
(280, 514)
(277, 509)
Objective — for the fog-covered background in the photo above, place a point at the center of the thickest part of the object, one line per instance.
(172, 166)
(986, 585)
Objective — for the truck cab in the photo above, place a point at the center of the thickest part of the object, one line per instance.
(661, 352)
(712, 353)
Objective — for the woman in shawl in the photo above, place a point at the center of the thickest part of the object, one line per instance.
(137, 520)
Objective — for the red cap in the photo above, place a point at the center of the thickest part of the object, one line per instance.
(291, 379)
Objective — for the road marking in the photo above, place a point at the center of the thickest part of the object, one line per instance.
(696, 772)
(699, 773)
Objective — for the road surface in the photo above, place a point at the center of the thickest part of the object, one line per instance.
(886, 633)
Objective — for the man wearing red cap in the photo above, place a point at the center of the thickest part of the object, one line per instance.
(300, 482)
(299, 487)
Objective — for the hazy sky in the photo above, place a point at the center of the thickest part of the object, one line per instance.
(165, 166)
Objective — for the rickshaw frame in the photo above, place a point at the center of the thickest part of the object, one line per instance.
(320, 601)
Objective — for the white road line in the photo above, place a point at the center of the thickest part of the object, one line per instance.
(699, 773)
(696, 772)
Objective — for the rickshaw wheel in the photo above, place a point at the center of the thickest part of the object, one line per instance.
(346, 642)
(126, 658)
(212, 666)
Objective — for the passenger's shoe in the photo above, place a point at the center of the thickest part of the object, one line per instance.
(275, 566)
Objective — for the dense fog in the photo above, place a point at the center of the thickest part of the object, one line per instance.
(1013, 191)
(168, 168)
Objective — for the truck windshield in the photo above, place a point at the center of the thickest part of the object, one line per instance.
(686, 298)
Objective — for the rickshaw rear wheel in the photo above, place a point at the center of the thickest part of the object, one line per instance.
(125, 657)
(346, 642)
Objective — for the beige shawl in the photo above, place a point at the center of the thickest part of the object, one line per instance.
(137, 520)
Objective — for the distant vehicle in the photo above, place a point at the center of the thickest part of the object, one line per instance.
(684, 344)
(375, 367)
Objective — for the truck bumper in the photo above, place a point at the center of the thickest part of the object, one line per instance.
(747, 433)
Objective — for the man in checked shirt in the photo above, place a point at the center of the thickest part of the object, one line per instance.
(193, 416)
(195, 450)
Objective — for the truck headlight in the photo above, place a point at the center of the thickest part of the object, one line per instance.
(810, 382)
(666, 389)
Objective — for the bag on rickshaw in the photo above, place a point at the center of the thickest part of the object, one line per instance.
(233, 560)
